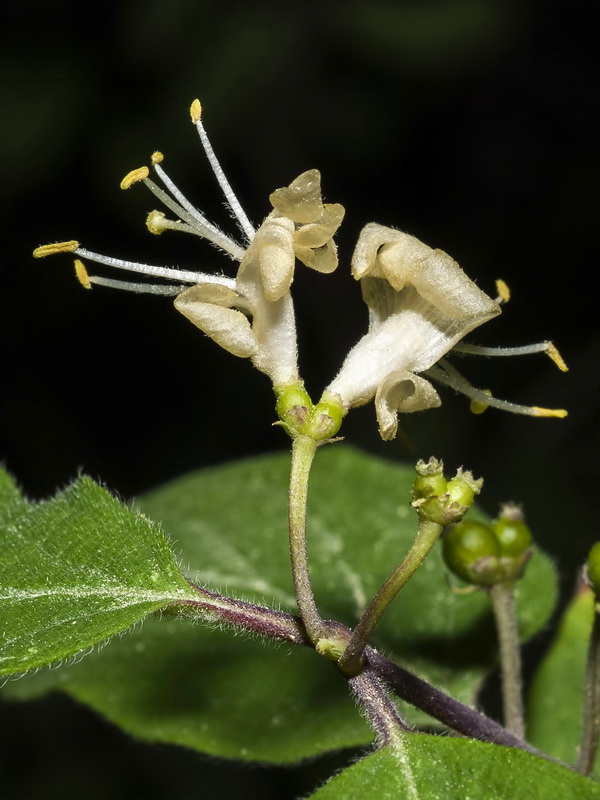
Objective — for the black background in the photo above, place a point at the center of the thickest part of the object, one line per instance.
(468, 123)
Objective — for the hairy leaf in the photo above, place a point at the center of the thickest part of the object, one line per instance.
(422, 767)
(233, 697)
(74, 571)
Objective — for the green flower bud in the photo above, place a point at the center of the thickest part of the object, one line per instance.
(293, 407)
(430, 481)
(593, 569)
(472, 552)
(326, 417)
(451, 504)
(463, 487)
(513, 536)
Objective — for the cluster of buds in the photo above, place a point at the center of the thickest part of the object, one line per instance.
(421, 303)
(440, 501)
(484, 555)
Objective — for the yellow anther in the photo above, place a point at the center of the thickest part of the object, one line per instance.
(157, 157)
(134, 176)
(82, 274)
(503, 291)
(195, 111)
(56, 247)
(478, 406)
(549, 412)
(155, 222)
(553, 353)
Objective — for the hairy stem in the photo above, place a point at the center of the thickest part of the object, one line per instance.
(503, 602)
(243, 616)
(452, 713)
(303, 451)
(377, 706)
(591, 716)
(284, 627)
(427, 535)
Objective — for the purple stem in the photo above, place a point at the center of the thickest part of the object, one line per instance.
(289, 628)
(456, 715)
(374, 700)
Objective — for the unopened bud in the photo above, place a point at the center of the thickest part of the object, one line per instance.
(463, 487)
(511, 531)
(472, 552)
(430, 479)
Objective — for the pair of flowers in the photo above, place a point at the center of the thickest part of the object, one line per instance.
(421, 304)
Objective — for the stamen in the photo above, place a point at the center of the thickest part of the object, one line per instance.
(202, 224)
(159, 272)
(195, 110)
(141, 288)
(540, 347)
(554, 355)
(211, 233)
(156, 158)
(55, 247)
(477, 407)
(232, 201)
(157, 223)
(82, 274)
(446, 374)
(549, 412)
(503, 292)
(136, 175)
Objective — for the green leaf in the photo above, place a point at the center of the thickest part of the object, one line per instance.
(423, 767)
(230, 696)
(74, 571)
(556, 697)
(237, 698)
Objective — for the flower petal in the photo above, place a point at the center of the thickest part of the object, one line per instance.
(403, 260)
(267, 268)
(322, 259)
(276, 260)
(301, 200)
(316, 234)
(402, 392)
(228, 327)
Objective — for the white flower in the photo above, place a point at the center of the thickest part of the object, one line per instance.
(251, 315)
(421, 304)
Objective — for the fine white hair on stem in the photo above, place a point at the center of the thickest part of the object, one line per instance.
(183, 201)
(198, 226)
(476, 350)
(232, 201)
(140, 288)
(158, 272)
(445, 373)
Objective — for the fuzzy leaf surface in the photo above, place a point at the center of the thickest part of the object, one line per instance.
(75, 570)
(234, 697)
(423, 767)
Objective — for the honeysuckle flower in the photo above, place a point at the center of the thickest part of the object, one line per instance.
(251, 315)
(421, 304)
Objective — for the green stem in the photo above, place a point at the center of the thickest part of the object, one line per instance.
(303, 452)
(503, 603)
(427, 535)
(591, 717)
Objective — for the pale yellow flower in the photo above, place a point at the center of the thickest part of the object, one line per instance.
(421, 305)
(251, 315)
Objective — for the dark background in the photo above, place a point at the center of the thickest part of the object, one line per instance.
(468, 123)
